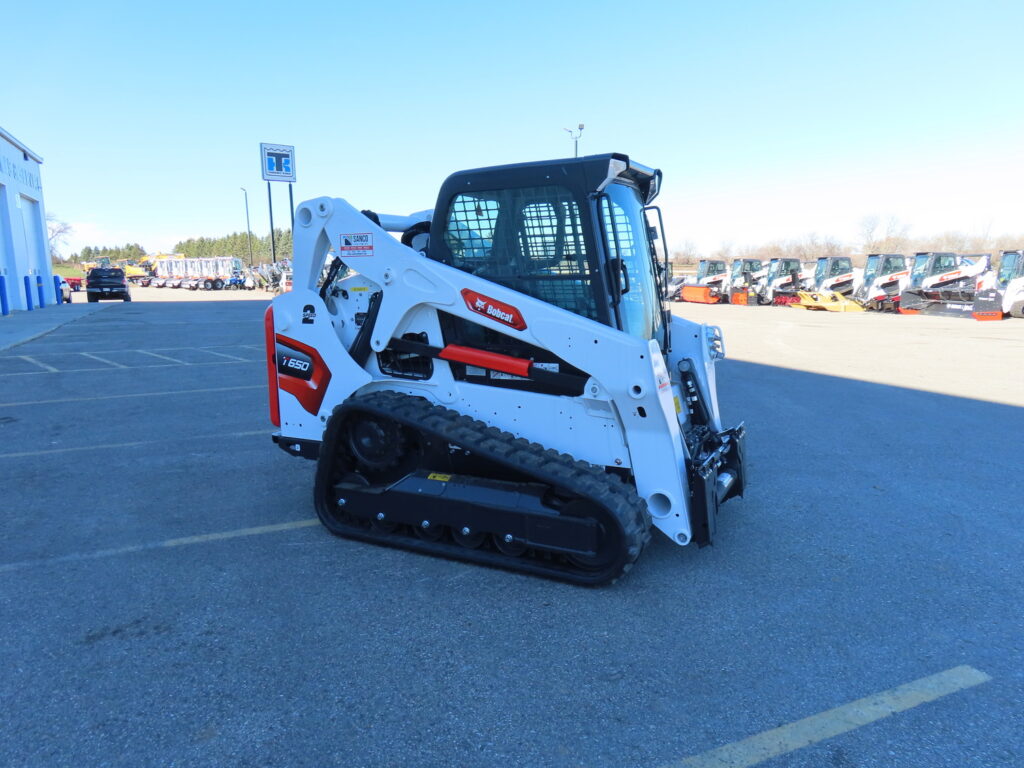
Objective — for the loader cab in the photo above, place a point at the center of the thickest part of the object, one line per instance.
(831, 266)
(1011, 267)
(574, 233)
(709, 268)
(781, 268)
(892, 264)
(871, 268)
(744, 266)
(929, 264)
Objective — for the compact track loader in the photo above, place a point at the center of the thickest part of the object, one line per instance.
(780, 283)
(1001, 293)
(503, 385)
(884, 277)
(743, 275)
(836, 274)
(944, 284)
(707, 286)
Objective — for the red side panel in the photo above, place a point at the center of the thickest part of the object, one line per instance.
(493, 360)
(305, 375)
(494, 309)
(268, 337)
(988, 316)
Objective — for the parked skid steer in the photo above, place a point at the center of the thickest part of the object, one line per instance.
(706, 286)
(944, 284)
(743, 276)
(504, 385)
(884, 277)
(780, 282)
(1001, 293)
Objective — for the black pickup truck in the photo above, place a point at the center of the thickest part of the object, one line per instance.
(107, 283)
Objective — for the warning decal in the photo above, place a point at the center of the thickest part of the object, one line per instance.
(360, 244)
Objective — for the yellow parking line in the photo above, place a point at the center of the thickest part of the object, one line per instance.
(166, 543)
(826, 725)
(132, 394)
(136, 444)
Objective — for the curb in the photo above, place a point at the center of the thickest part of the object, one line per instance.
(34, 331)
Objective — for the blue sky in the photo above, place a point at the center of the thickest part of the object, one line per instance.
(769, 119)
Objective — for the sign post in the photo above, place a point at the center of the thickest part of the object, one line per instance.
(278, 161)
(270, 204)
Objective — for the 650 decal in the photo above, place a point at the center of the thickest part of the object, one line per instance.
(293, 363)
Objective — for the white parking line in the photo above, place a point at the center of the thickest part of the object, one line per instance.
(102, 359)
(162, 357)
(166, 543)
(131, 394)
(222, 354)
(826, 725)
(136, 444)
(48, 368)
(130, 367)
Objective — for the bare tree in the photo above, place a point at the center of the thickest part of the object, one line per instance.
(686, 254)
(868, 230)
(725, 251)
(890, 238)
(57, 234)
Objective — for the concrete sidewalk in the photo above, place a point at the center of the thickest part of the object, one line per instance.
(21, 326)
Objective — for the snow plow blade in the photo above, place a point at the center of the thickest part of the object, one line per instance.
(941, 303)
(700, 294)
(830, 301)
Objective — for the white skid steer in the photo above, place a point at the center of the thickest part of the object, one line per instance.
(503, 385)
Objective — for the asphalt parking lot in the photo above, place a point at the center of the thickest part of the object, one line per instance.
(167, 599)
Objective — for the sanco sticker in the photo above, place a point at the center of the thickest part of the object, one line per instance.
(358, 244)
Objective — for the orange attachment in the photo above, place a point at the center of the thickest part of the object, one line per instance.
(700, 294)
(740, 296)
(986, 316)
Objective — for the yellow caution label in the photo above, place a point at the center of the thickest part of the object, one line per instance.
(359, 288)
(679, 406)
(439, 477)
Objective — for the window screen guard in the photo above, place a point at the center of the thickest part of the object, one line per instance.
(528, 239)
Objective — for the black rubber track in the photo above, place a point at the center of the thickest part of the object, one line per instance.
(618, 500)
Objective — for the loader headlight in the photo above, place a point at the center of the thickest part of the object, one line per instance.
(716, 344)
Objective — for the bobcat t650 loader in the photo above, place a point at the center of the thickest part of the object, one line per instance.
(502, 385)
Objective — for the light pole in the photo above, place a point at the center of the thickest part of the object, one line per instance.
(575, 139)
(248, 229)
